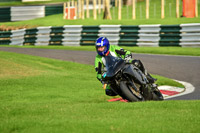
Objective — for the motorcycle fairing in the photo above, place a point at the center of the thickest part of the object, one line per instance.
(136, 73)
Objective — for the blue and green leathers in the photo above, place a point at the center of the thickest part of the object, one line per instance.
(100, 60)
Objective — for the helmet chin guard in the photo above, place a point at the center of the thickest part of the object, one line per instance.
(100, 42)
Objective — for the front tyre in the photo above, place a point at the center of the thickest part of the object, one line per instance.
(127, 93)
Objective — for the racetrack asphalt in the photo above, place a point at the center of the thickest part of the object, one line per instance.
(182, 68)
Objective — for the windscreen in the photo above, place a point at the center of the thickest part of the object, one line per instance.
(113, 65)
(111, 61)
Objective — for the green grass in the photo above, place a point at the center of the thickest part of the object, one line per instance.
(57, 20)
(147, 50)
(166, 50)
(47, 95)
(155, 17)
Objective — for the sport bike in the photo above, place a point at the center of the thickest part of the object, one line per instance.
(128, 81)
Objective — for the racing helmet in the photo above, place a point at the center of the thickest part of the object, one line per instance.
(100, 42)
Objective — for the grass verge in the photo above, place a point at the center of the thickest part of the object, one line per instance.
(57, 20)
(60, 96)
(154, 15)
(187, 51)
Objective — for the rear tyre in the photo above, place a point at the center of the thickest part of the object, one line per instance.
(128, 94)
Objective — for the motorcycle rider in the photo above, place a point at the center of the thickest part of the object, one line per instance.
(103, 49)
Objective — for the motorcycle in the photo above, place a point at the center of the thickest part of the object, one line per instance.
(128, 81)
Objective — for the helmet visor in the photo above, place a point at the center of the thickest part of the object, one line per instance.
(101, 49)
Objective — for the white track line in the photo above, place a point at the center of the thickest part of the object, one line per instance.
(189, 88)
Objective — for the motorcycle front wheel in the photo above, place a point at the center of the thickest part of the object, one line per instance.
(128, 94)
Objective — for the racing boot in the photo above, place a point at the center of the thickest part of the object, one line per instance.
(109, 91)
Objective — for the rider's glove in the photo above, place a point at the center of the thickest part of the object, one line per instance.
(128, 58)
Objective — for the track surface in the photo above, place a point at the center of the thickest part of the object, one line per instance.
(183, 68)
